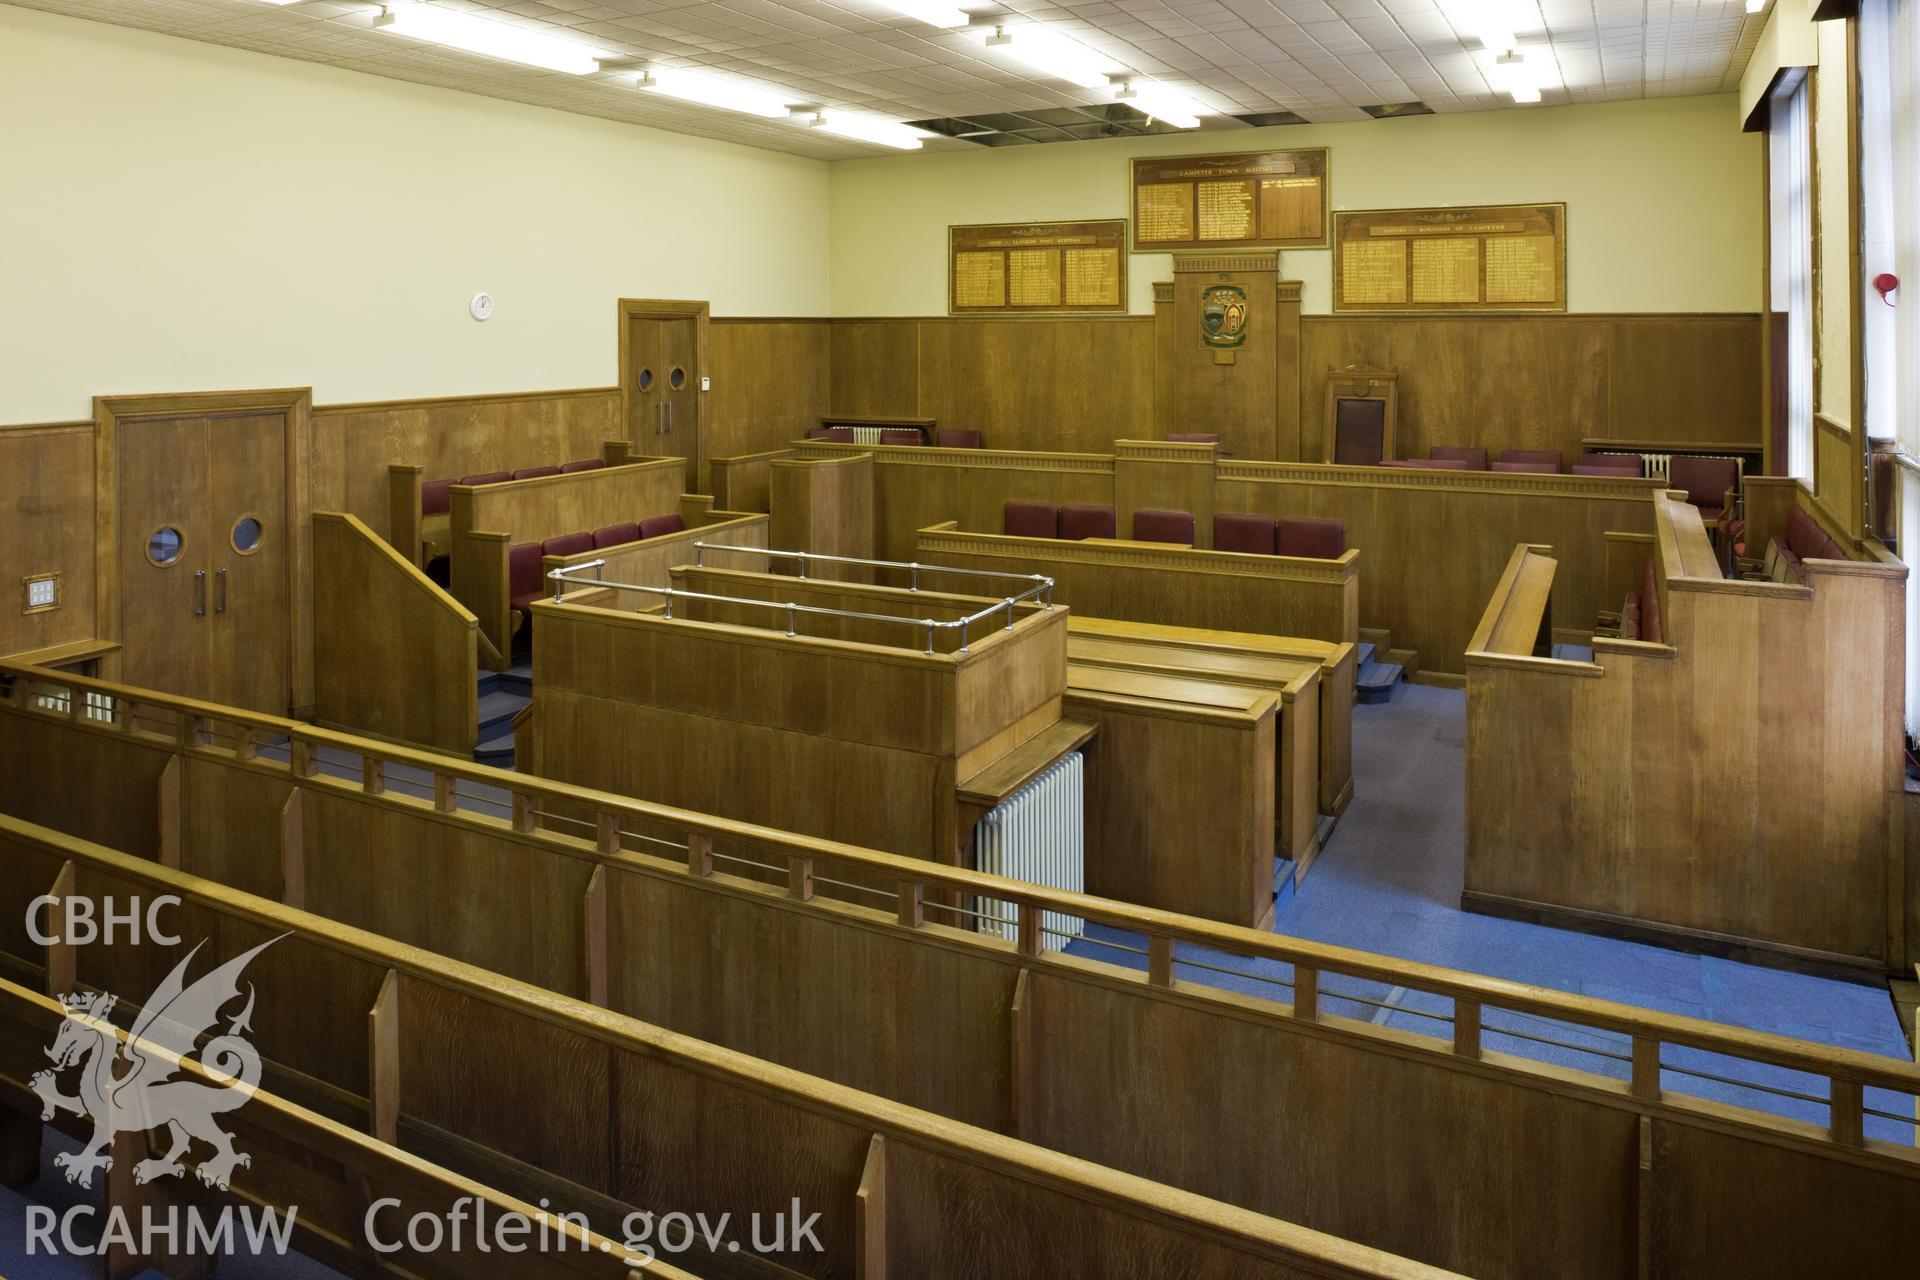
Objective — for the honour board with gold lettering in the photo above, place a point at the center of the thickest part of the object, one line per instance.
(1259, 199)
(1037, 267)
(1478, 258)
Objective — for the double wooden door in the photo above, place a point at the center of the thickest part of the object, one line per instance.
(205, 558)
(663, 372)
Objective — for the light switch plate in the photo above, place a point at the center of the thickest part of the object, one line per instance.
(43, 592)
(706, 383)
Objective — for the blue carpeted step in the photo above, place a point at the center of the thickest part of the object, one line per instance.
(518, 679)
(497, 710)
(497, 752)
(1366, 654)
(1376, 680)
(1282, 881)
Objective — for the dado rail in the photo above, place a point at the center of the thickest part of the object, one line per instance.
(1528, 1167)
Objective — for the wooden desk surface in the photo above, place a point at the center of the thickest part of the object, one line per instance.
(1168, 691)
(1285, 673)
(1328, 653)
(1150, 544)
(1518, 626)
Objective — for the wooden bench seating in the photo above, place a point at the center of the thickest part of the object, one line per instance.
(628, 909)
(1728, 781)
(560, 1100)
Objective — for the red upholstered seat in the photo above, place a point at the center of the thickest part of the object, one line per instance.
(1806, 540)
(899, 435)
(1476, 459)
(535, 473)
(584, 464)
(489, 477)
(1150, 525)
(1193, 437)
(1253, 534)
(1359, 431)
(958, 438)
(615, 535)
(1429, 464)
(434, 497)
(1083, 520)
(839, 435)
(567, 544)
(1706, 481)
(1312, 537)
(1528, 468)
(523, 574)
(1550, 457)
(1616, 473)
(1400, 462)
(1020, 519)
(656, 526)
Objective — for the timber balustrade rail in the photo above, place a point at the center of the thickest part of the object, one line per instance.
(534, 808)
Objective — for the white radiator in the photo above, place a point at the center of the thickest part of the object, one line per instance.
(1036, 834)
(867, 435)
(1659, 466)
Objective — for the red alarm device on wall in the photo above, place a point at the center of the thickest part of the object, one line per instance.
(1885, 283)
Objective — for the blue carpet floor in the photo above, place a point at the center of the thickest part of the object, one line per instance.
(1389, 881)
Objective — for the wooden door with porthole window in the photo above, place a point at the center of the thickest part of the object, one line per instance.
(662, 345)
(205, 598)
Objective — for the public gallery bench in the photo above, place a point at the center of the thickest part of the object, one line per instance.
(317, 1172)
(1733, 786)
(490, 521)
(1146, 1070)
(590, 1112)
(419, 510)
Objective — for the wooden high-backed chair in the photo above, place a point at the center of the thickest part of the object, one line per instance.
(1362, 404)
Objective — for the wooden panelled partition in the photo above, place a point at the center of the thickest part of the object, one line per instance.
(1738, 786)
(49, 528)
(394, 655)
(318, 1173)
(595, 1113)
(1431, 543)
(1440, 1137)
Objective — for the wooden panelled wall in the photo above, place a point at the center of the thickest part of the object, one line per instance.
(1075, 385)
(47, 525)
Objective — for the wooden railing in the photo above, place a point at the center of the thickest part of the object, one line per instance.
(542, 808)
(636, 1114)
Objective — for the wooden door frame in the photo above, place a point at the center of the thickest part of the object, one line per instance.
(295, 405)
(630, 309)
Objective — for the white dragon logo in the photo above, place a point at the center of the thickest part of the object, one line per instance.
(145, 1098)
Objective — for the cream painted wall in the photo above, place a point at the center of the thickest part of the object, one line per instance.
(1833, 85)
(1788, 40)
(1664, 199)
(180, 216)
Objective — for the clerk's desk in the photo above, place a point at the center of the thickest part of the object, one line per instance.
(1267, 662)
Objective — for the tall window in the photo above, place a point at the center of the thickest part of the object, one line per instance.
(1790, 218)
(1890, 245)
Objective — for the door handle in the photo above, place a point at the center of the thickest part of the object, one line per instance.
(668, 406)
(199, 593)
(221, 574)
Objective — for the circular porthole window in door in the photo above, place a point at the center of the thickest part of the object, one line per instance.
(164, 545)
(646, 379)
(677, 379)
(247, 532)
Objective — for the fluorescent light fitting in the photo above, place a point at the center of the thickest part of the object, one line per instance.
(1052, 54)
(1493, 22)
(1161, 102)
(1525, 93)
(931, 12)
(865, 128)
(1756, 6)
(488, 38)
(714, 91)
